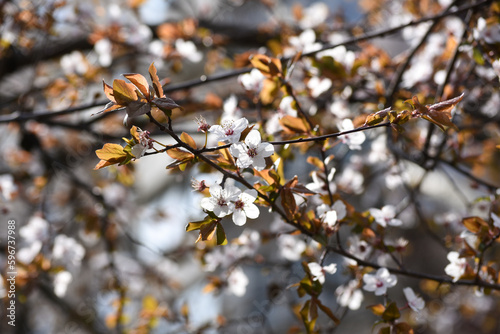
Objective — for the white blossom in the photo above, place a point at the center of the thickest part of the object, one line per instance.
(68, 250)
(349, 295)
(318, 86)
(416, 303)
(252, 81)
(244, 207)
(385, 216)
(456, 267)
(353, 140)
(314, 15)
(380, 281)
(229, 130)
(305, 42)
(103, 49)
(490, 34)
(187, 49)
(61, 282)
(237, 282)
(221, 202)
(230, 107)
(496, 220)
(37, 229)
(291, 247)
(318, 271)
(253, 152)
(8, 188)
(330, 215)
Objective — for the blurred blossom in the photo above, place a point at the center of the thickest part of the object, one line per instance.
(491, 107)
(8, 188)
(3, 291)
(27, 254)
(252, 152)
(305, 42)
(351, 180)
(353, 140)
(349, 295)
(496, 220)
(37, 229)
(385, 216)
(358, 248)
(68, 250)
(285, 108)
(248, 242)
(330, 215)
(157, 49)
(318, 185)
(103, 49)
(318, 272)
(340, 108)
(490, 34)
(318, 86)
(252, 81)
(74, 63)
(291, 247)
(456, 267)
(187, 49)
(314, 15)
(379, 282)
(61, 281)
(237, 282)
(341, 55)
(231, 110)
(416, 303)
(229, 130)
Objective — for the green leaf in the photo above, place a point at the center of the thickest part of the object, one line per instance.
(192, 226)
(391, 313)
(221, 235)
(309, 314)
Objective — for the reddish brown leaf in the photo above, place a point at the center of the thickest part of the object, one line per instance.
(140, 82)
(124, 92)
(156, 82)
(186, 138)
(293, 124)
(181, 155)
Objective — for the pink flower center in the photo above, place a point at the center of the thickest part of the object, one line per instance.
(380, 284)
(229, 132)
(221, 202)
(239, 204)
(252, 152)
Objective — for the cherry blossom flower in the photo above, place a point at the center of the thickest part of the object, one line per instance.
(68, 250)
(285, 108)
(330, 215)
(221, 202)
(237, 282)
(318, 271)
(490, 34)
(103, 49)
(318, 86)
(198, 185)
(74, 63)
(203, 126)
(253, 152)
(385, 216)
(359, 248)
(291, 247)
(314, 15)
(145, 143)
(229, 130)
(61, 282)
(456, 267)
(380, 281)
(305, 42)
(187, 49)
(252, 81)
(496, 220)
(318, 185)
(349, 295)
(8, 188)
(244, 207)
(230, 107)
(416, 303)
(353, 140)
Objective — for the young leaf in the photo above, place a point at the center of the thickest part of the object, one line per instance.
(221, 235)
(140, 82)
(328, 312)
(113, 153)
(181, 155)
(108, 91)
(124, 92)
(377, 117)
(474, 224)
(293, 124)
(391, 313)
(186, 138)
(438, 113)
(156, 82)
